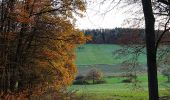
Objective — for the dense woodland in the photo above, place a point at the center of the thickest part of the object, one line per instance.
(121, 36)
(37, 41)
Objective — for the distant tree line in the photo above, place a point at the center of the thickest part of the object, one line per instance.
(120, 36)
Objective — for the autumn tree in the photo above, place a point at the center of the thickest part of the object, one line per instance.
(38, 39)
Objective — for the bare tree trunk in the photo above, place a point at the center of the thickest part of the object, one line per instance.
(151, 50)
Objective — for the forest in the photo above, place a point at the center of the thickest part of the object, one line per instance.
(121, 36)
(44, 55)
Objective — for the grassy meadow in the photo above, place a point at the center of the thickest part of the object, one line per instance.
(114, 89)
(101, 57)
(91, 54)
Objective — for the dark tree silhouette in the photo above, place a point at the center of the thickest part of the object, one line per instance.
(151, 49)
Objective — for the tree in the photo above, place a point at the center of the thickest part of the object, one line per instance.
(38, 39)
(151, 7)
(94, 75)
(161, 9)
(151, 49)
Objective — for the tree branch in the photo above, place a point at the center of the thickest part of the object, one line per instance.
(160, 37)
(164, 2)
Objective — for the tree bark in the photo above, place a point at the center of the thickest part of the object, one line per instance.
(151, 50)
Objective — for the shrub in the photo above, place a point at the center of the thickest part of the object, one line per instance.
(100, 82)
(80, 80)
(127, 81)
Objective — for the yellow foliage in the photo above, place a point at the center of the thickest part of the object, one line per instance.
(42, 40)
(60, 44)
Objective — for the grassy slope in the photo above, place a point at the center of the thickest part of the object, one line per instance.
(96, 54)
(101, 57)
(114, 89)
(99, 54)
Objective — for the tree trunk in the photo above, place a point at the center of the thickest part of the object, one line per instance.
(151, 50)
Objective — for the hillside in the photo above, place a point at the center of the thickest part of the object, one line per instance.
(91, 54)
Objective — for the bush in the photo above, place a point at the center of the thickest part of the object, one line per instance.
(80, 80)
(100, 82)
(127, 81)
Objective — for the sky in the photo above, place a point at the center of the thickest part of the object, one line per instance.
(102, 15)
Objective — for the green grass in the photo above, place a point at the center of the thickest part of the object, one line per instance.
(105, 91)
(115, 89)
(96, 54)
(101, 56)
(92, 54)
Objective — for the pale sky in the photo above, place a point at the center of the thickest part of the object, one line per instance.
(103, 15)
(95, 21)
(98, 16)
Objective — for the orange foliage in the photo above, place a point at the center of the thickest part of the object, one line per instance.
(46, 38)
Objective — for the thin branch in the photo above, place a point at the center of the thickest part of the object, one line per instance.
(160, 37)
(164, 2)
(161, 14)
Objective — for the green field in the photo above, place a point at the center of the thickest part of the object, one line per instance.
(101, 56)
(115, 89)
(92, 54)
